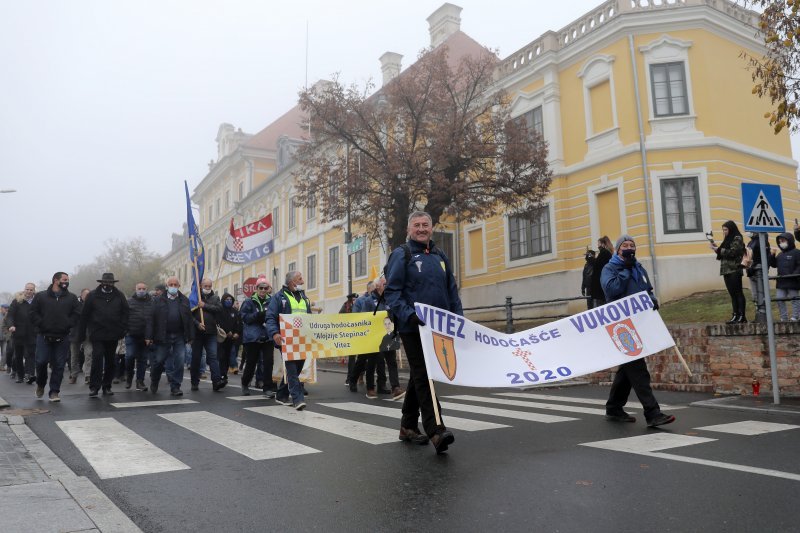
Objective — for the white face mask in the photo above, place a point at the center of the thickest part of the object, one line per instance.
(783, 245)
(206, 291)
(298, 287)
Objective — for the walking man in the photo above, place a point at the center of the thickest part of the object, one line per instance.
(419, 272)
(105, 317)
(171, 329)
(23, 335)
(205, 336)
(53, 312)
(136, 348)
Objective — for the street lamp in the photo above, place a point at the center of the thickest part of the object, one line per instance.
(348, 236)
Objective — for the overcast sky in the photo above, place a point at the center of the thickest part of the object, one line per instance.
(107, 106)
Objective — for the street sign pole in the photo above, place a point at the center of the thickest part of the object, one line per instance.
(773, 360)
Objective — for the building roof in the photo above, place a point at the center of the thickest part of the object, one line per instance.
(289, 124)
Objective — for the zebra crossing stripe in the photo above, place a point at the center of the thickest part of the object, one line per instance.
(748, 427)
(115, 451)
(248, 441)
(535, 405)
(505, 413)
(156, 403)
(572, 399)
(247, 398)
(454, 422)
(338, 426)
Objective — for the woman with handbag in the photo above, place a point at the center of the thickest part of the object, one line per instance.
(229, 330)
(730, 254)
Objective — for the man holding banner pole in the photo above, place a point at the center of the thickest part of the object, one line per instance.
(623, 276)
(418, 272)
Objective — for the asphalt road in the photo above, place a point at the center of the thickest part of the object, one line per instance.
(171, 467)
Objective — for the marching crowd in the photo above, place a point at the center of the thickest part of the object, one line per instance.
(112, 337)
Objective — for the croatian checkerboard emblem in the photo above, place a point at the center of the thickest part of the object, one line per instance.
(625, 337)
(297, 323)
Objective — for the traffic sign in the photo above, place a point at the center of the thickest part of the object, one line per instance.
(249, 287)
(762, 207)
(356, 245)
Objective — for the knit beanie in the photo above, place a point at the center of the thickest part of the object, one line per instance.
(622, 239)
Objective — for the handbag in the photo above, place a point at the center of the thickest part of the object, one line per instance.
(222, 335)
(747, 258)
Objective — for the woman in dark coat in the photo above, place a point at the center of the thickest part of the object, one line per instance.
(730, 254)
(605, 250)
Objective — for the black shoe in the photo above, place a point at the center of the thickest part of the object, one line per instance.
(622, 417)
(140, 386)
(412, 435)
(660, 420)
(93, 392)
(245, 390)
(259, 384)
(30, 380)
(20, 380)
(153, 386)
(734, 319)
(218, 386)
(353, 388)
(107, 391)
(742, 319)
(284, 401)
(442, 440)
(176, 392)
(128, 383)
(195, 387)
(269, 394)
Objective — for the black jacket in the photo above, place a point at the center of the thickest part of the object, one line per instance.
(210, 311)
(229, 319)
(54, 314)
(156, 329)
(755, 250)
(603, 257)
(104, 316)
(19, 317)
(586, 279)
(787, 262)
(141, 313)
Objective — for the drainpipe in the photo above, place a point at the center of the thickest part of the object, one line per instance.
(643, 151)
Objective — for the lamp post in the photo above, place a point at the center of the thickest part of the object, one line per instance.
(348, 235)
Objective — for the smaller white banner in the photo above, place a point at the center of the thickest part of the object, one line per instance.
(461, 352)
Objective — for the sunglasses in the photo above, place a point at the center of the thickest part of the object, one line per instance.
(262, 288)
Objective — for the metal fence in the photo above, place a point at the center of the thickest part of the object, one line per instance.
(510, 307)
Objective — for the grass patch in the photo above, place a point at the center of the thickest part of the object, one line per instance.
(711, 306)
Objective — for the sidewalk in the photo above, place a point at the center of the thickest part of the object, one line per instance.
(761, 404)
(38, 492)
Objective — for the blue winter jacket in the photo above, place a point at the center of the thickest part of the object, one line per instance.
(368, 303)
(255, 326)
(619, 281)
(279, 305)
(426, 278)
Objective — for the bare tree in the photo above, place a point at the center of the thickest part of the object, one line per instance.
(438, 137)
(130, 261)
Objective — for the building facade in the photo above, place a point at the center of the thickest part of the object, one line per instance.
(651, 126)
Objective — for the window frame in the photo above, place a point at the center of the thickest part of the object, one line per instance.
(549, 204)
(311, 272)
(666, 66)
(292, 222)
(334, 265)
(360, 258)
(699, 211)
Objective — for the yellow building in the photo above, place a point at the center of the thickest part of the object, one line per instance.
(651, 127)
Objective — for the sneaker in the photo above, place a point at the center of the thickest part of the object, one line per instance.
(30, 380)
(412, 435)
(620, 417)
(73, 379)
(93, 392)
(54, 397)
(442, 440)
(660, 420)
(270, 394)
(398, 393)
(140, 386)
(176, 392)
(39, 391)
(299, 406)
(233, 370)
(284, 401)
(371, 394)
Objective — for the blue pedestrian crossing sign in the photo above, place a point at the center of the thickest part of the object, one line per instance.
(762, 207)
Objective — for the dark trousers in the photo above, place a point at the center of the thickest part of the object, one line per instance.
(391, 364)
(632, 375)
(226, 356)
(24, 362)
(733, 282)
(103, 364)
(54, 354)
(418, 400)
(253, 352)
(136, 352)
(369, 363)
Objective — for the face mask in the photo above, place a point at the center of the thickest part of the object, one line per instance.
(105, 288)
(64, 285)
(141, 294)
(628, 253)
(172, 290)
(298, 287)
(784, 245)
(206, 291)
(228, 303)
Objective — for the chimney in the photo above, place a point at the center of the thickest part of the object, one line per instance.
(443, 23)
(390, 66)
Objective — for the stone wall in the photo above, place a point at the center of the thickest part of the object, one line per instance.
(724, 359)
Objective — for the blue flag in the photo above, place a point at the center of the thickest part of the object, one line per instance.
(197, 253)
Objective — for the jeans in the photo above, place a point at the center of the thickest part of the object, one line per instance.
(226, 356)
(635, 375)
(135, 354)
(291, 385)
(788, 293)
(209, 343)
(24, 362)
(52, 353)
(418, 400)
(172, 349)
(103, 361)
(757, 289)
(253, 353)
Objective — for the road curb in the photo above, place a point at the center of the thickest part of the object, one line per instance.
(731, 404)
(3, 403)
(97, 506)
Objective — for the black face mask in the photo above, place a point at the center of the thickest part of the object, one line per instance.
(64, 285)
(105, 287)
(628, 253)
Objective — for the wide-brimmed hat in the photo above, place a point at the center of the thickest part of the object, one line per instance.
(107, 277)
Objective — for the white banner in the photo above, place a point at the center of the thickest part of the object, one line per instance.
(461, 352)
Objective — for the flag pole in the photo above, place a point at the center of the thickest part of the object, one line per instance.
(435, 403)
(682, 360)
(197, 284)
